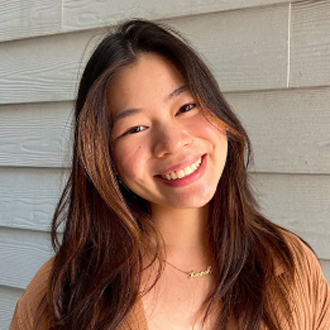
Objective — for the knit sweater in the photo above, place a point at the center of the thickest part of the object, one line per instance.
(309, 301)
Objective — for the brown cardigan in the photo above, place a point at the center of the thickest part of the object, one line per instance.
(310, 301)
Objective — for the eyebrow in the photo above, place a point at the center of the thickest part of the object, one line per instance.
(131, 112)
(124, 114)
(177, 92)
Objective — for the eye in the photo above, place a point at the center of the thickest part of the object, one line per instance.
(135, 129)
(186, 108)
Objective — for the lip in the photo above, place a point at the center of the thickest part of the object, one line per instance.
(181, 166)
(187, 179)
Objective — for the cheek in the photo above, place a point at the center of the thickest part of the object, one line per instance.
(223, 140)
(129, 161)
(221, 146)
(216, 135)
(219, 140)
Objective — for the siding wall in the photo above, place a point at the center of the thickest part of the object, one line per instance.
(271, 58)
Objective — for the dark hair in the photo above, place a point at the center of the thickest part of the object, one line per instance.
(97, 268)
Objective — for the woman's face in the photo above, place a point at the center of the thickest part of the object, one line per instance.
(165, 150)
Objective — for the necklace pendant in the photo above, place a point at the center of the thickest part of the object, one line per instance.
(202, 273)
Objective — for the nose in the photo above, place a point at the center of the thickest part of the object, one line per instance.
(170, 140)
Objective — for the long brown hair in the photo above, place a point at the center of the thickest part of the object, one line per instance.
(97, 269)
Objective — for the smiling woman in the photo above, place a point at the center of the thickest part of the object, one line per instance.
(167, 138)
(161, 227)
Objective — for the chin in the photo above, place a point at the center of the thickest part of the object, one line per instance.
(191, 202)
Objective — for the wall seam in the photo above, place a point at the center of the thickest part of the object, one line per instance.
(289, 48)
(62, 15)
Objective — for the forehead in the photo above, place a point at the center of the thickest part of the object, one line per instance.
(150, 79)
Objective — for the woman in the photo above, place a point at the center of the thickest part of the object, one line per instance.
(161, 228)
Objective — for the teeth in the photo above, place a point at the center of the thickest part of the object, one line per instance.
(180, 174)
(188, 170)
(183, 172)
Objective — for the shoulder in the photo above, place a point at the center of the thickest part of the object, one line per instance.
(310, 290)
(38, 286)
(28, 304)
(307, 267)
(305, 260)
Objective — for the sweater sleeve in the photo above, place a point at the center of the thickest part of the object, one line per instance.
(15, 323)
(322, 300)
(27, 305)
(314, 292)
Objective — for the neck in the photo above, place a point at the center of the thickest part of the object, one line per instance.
(184, 233)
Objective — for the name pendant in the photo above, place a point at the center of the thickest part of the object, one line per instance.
(202, 273)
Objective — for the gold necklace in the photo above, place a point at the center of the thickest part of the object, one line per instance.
(192, 274)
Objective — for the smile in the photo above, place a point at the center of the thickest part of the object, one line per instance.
(188, 170)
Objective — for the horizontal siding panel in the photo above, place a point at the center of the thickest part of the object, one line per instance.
(86, 14)
(299, 203)
(246, 50)
(8, 298)
(23, 252)
(243, 55)
(35, 134)
(289, 129)
(28, 197)
(26, 18)
(310, 44)
(23, 19)
(29, 18)
(42, 69)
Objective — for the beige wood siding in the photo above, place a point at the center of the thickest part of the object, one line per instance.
(270, 57)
